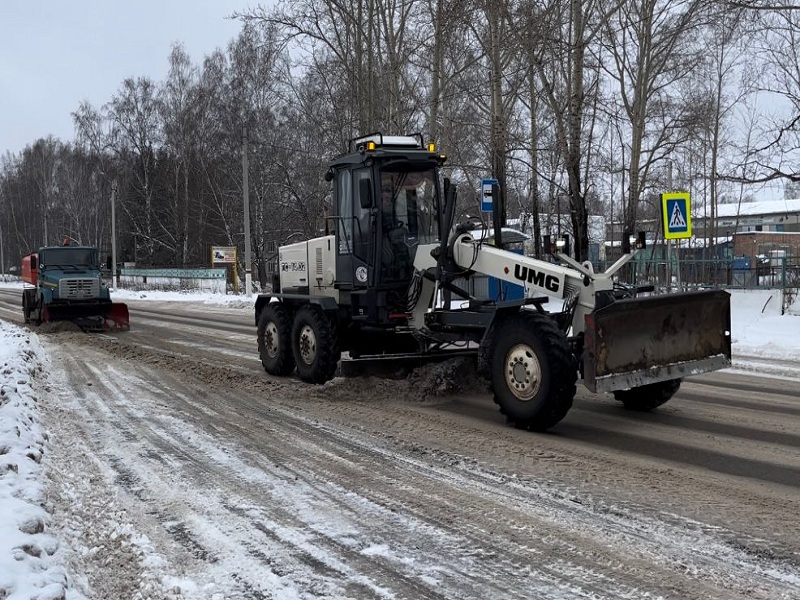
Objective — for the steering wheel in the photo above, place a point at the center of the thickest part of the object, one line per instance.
(393, 225)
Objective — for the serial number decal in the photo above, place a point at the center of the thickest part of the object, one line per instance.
(293, 266)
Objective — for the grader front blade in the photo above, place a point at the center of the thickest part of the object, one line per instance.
(637, 341)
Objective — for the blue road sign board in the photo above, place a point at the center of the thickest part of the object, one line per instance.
(486, 194)
(677, 215)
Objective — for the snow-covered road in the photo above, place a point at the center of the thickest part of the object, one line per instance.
(173, 467)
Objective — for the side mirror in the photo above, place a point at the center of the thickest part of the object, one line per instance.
(108, 263)
(365, 193)
(629, 241)
(626, 242)
(34, 263)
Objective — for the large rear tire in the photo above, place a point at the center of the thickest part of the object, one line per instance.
(314, 344)
(26, 310)
(648, 397)
(533, 371)
(275, 340)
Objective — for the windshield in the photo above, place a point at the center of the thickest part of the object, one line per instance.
(68, 257)
(410, 198)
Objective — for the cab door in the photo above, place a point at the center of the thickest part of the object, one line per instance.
(354, 229)
(363, 219)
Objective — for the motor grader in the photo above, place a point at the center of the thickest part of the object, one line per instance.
(383, 289)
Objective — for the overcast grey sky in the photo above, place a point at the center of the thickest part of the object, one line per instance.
(56, 53)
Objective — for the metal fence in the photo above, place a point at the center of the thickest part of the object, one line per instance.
(692, 273)
(686, 274)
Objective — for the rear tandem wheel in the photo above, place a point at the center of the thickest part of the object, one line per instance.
(533, 371)
(314, 344)
(274, 339)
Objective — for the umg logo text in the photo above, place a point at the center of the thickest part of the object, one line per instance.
(537, 278)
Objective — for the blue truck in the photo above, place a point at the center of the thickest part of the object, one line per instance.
(64, 283)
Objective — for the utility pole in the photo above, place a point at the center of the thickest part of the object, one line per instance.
(669, 244)
(248, 276)
(114, 274)
(498, 134)
(669, 241)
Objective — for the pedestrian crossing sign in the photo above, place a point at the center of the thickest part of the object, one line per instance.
(676, 211)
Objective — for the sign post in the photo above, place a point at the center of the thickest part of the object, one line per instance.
(487, 199)
(676, 215)
(491, 202)
(226, 254)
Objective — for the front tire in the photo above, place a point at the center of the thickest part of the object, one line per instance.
(26, 310)
(39, 312)
(533, 371)
(275, 340)
(314, 344)
(647, 397)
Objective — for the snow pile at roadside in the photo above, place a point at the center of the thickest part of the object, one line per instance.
(30, 566)
(230, 300)
(758, 327)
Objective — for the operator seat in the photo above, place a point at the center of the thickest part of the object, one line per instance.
(395, 255)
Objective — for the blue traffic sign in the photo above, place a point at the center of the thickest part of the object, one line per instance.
(486, 194)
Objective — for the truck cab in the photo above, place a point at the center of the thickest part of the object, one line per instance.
(386, 199)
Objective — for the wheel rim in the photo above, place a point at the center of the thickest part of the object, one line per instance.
(308, 344)
(271, 339)
(523, 372)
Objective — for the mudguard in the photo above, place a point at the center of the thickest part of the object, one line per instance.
(638, 341)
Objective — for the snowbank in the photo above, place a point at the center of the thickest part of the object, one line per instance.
(759, 329)
(753, 304)
(29, 557)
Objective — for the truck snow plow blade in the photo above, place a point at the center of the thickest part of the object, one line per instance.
(90, 316)
(639, 341)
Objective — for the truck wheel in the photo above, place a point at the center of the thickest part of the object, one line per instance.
(533, 371)
(26, 310)
(648, 397)
(274, 340)
(315, 346)
(39, 312)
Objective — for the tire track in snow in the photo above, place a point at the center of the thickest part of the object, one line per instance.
(435, 491)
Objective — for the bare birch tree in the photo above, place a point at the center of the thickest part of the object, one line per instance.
(653, 44)
(778, 42)
(177, 107)
(137, 134)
